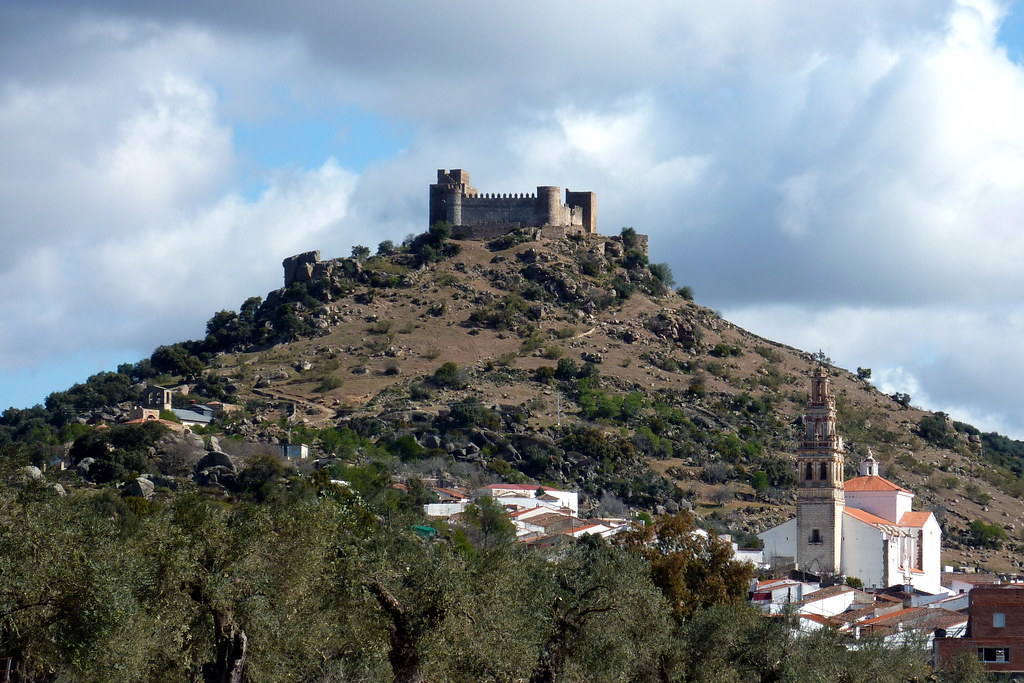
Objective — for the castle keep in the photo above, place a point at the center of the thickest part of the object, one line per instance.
(473, 215)
(477, 216)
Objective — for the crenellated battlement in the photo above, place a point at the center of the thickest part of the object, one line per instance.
(478, 215)
(499, 196)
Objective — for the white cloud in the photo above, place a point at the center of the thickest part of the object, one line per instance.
(842, 176)
(962, 362)
(123, 228)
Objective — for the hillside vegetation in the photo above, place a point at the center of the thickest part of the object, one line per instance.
(569, 363)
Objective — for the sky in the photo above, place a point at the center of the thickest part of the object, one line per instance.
(838, 176)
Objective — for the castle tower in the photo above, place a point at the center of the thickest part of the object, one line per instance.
(549, 205)
(446, 196)
(820, 498)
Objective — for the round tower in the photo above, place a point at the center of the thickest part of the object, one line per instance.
(549, 205)
(454, 200)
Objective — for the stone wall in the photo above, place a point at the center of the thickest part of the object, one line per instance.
(455, 201)
(512, 211)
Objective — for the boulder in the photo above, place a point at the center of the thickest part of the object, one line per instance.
(30, 473)
(216, 476)
(215, 459)
(299, 268)
(139, 487)
(82, 468)
(166, 482)
(214, 444)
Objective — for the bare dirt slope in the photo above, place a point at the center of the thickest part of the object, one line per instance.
(541, 301)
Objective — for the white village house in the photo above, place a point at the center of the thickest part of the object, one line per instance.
(863, 527)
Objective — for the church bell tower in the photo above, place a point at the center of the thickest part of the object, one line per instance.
(820, 498)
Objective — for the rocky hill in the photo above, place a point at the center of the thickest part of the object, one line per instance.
(565, 362)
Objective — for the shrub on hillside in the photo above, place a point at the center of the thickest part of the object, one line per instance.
(663, 273)
(987, 535)
(449, 376)
(936, 430)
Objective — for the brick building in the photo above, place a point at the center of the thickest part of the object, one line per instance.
(995, 629)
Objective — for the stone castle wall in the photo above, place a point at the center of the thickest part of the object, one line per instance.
(455, 201)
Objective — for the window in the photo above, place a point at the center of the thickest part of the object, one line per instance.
(816, 536)
(824, 471)
(809, 472)
(999, 620)
(994, 654)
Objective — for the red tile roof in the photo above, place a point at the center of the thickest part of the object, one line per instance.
(872, 483)
(969, 578)
(781, 582)
(824, 621)
(142, 420)
(919, 617)
(915, 518)
(516, 487)
(824, 594)
(517, 513)
(897, 616)
(451, 492)
(867, 517)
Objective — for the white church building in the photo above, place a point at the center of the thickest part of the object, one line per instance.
(863, 527)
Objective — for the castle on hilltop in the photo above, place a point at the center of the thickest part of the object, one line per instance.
(477, 216)
(473, 215)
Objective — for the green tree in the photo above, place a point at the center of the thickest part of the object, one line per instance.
(902, 399)
(629, 238)
(604, 619)
(964, 668)
(488, 524)
(360, 253)
(693, 570)
(262, 477)
(418, 588)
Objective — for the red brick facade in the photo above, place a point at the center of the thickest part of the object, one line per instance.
(995, 629)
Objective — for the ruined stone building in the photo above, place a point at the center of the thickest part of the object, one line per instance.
(863, 527)
(474, 215)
